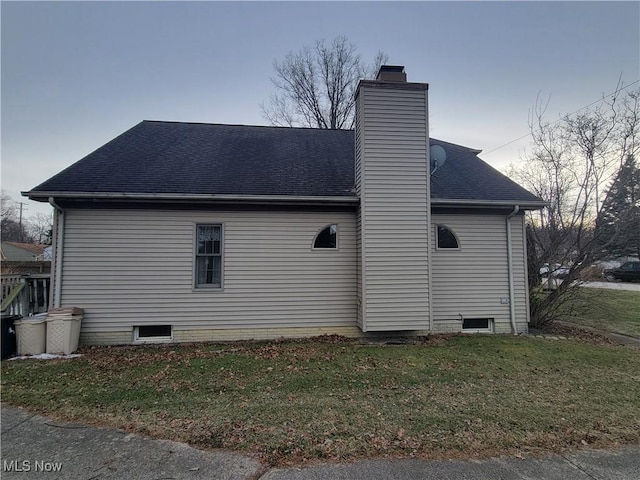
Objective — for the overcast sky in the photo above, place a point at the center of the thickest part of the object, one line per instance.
(77, 74)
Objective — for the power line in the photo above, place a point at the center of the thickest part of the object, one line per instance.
(568, 115)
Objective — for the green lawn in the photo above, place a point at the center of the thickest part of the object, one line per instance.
(330, 398)
(609, 310)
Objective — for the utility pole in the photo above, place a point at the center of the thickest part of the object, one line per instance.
(22, 205)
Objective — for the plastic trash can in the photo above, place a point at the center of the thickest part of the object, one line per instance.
(8, 336)
(31, 335)
(63, 333)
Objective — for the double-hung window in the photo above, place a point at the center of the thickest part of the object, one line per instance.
(208, 272)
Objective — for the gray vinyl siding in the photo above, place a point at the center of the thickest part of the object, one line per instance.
(358, 147)
(132, 267)
(392, 162)
(56, 253)
(360, 304)
(359, 189)
(520, 281)
(471, 281)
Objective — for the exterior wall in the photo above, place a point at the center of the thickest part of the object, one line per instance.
(135, 267)
(57, 247)
(392, 179)
(472, 280)
(359, 187)
(223, 334)
(360, 306)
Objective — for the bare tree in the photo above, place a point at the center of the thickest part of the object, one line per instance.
(316, 87)
(11, 227)
(7, 206)
(39, 227)
(570, 162)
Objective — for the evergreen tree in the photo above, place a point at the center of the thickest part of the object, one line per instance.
(618, 225)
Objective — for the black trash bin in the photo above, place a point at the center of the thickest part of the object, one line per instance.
(8, 332)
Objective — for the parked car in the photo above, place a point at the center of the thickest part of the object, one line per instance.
(557, 270)
(627, 272)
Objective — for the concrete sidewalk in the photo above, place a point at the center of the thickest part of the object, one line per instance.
(631, 287)
(36, 448)
(614, 337)
(80, 452)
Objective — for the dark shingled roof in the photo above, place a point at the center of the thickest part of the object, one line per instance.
(464, 176)
(194, 158)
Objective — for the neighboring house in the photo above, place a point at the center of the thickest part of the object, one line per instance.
(187, 231)
(24, 258)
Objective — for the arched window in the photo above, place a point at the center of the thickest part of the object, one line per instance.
(327, 238)
(446, 238)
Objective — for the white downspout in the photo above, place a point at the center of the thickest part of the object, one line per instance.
(512, 307)
(58, 242)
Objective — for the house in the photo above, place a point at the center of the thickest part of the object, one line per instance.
(24, 258)
(186, 231)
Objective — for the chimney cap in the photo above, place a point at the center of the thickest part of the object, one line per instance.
(391, 73)
(391, 68)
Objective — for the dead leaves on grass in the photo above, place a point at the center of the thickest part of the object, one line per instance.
(417, 404)
(576, 333)
(114, 357)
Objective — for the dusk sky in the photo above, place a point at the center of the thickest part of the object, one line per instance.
(77, 74)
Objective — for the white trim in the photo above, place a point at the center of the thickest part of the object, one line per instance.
(363, 215)
(429, 229)
(54, 260)
(267, 199)
(58, 254)
(526, 271)
(489, 203)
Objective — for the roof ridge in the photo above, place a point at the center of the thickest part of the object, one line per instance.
(474, 150)
(246, 125)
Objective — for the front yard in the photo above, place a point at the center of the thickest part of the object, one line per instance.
(615, 311)
(331, 398)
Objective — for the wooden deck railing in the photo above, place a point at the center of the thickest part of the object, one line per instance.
(25, 295)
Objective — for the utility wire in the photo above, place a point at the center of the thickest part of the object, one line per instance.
(568, 115)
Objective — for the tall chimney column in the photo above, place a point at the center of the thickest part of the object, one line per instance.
(392, 181)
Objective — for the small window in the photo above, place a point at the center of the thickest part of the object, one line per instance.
(477, 325)
(153, 333)
(208, 261)
(446, 238)
(327, 238)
